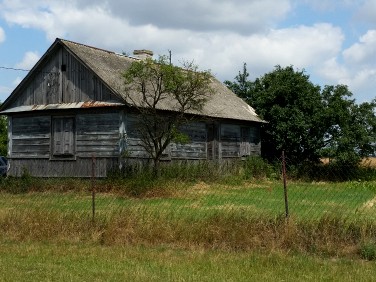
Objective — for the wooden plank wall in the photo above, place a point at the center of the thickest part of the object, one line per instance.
(31, 137)
(196, 148)
(106, 134)
(239, 141)
(82, 167)
(63, 79)
(230, 140)
(255, 141)
(97, 133)
(133, 144)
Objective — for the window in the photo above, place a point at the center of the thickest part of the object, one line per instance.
(63, 137)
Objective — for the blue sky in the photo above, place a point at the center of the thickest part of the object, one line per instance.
(333, 41)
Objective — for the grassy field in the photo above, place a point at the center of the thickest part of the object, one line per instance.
(30, 261)
(368, 162)
(189, 231)
(350, 200)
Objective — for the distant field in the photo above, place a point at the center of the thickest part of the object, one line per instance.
(371, 161)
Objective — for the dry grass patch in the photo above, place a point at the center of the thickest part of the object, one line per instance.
(217, 230)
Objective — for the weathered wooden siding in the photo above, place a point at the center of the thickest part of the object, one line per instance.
(109, 135)
(31, 137)
(230, 140)
(239, 141)
(212, 142)
(134, 148)
(82, 167)
(44, 86)
(98, 134)
(196, 147)
(255, 141)
(95, 134)
(207, 141)
(63, 79)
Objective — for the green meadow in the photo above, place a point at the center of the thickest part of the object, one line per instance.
(232, 230)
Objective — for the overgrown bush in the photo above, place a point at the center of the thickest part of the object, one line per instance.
(257, 167)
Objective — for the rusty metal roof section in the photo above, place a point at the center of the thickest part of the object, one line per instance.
(110, 66)
(64, 106)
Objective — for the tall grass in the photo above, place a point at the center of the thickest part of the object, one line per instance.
(240, 211)
(221, 230)
(140, 181)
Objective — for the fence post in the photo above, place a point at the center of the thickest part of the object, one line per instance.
(93, 186)
(285, 184)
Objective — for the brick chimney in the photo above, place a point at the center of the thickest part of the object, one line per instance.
(143, 54)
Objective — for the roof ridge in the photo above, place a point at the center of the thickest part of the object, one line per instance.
(96, 48)
(85, 45)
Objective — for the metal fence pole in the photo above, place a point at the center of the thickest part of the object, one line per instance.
(285, 184)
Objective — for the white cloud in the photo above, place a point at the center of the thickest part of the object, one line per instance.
(367, 12)
(363, 52)
(363, 84)
(241, 16)
(244, 16)
(302, 47)
(360, 60)
(2, 35)
(220, 50)
(355, 67)
(28, 61)
(218, 35)
(332, 71)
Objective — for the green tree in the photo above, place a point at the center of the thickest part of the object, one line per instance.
(242, 86)
(291, 104)
(165, 96)
(308, 123)
(351, 127)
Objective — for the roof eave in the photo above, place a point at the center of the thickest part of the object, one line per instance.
(64, 106)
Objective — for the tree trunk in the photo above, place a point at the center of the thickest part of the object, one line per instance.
(156, 167)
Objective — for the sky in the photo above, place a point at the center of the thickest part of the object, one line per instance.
(333, 41)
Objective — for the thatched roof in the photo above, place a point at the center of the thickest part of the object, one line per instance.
(110, 66)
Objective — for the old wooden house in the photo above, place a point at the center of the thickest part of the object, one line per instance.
(71, 106)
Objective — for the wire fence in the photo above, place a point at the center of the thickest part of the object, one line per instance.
(250, 188)
(344, 192)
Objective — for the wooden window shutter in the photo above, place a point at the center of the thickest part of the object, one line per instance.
(245, 146)
(57, 136)
(63, 139)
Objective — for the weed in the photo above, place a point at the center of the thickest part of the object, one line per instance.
(368, 250)
(256, 167)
